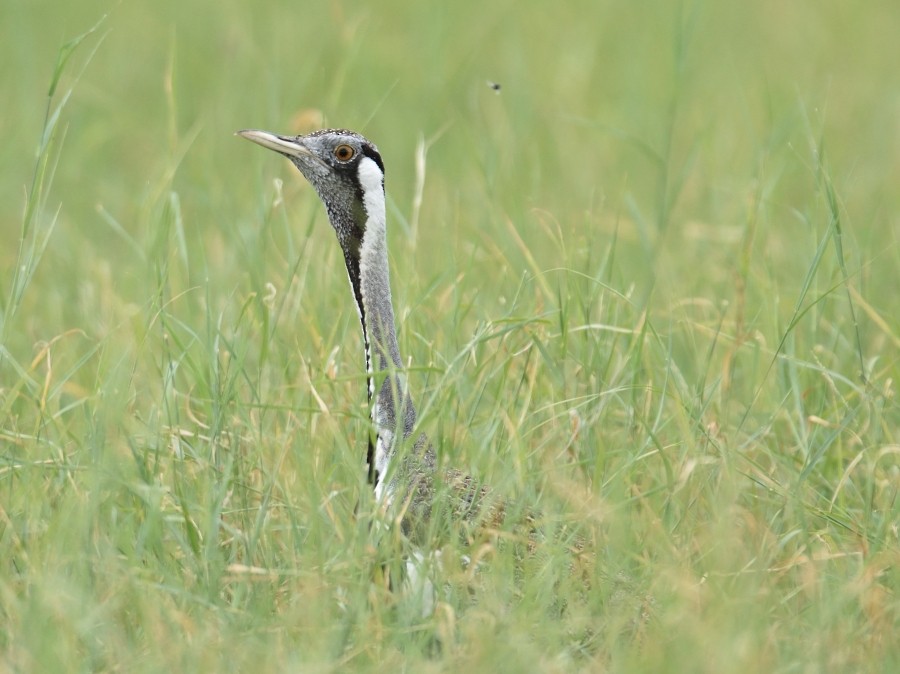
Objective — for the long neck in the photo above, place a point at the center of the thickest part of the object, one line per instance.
(383, 353)
(367, 264)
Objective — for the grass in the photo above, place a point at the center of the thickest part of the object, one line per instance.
(648, 287)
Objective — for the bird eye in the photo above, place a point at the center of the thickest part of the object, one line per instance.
(344, 152)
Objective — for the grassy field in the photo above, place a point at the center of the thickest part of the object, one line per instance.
(649, 287)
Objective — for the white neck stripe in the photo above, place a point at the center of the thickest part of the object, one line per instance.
(373, 255)
(371, 179)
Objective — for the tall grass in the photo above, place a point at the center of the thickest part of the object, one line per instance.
(647, 290)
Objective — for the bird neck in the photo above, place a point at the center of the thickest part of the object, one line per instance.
(367, 264)
(382, 349)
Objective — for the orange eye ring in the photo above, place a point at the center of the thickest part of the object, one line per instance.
(344, 152)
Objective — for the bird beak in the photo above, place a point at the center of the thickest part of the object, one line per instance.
(289, 147)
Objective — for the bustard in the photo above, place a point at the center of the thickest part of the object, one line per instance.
(347, 172)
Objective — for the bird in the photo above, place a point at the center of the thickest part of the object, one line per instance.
(347, 172)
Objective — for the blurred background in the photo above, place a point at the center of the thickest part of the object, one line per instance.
(665, 120)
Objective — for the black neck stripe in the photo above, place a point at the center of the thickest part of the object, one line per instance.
(370, 152)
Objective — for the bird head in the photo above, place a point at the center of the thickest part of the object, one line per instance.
(345, 169)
